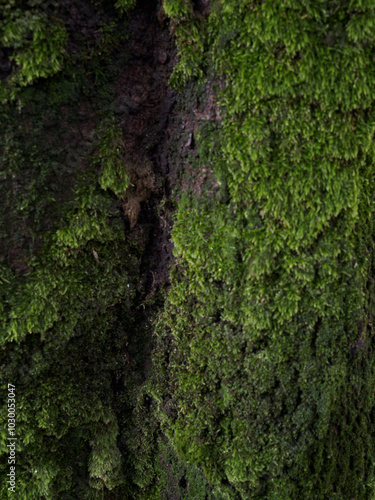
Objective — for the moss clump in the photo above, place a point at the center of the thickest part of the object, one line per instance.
(266, 344)
(110, 157)
(36, 37)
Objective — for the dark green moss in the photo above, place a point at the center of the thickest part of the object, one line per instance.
(68, 272)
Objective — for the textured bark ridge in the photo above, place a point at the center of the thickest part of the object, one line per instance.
(145, 105)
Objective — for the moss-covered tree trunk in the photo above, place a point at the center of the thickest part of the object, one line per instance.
(265, 359)
(262, 381)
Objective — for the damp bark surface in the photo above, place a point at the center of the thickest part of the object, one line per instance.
(145, 105)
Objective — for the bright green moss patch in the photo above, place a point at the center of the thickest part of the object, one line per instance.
(37, 39)
(266, 344)
(110, 157)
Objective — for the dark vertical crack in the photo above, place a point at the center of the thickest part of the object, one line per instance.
(144, 104)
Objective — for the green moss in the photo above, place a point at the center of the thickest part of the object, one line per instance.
(123, 6)
(267, 335)
(158, 470)
(110, 157)
(37, 40)
(68, 276)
